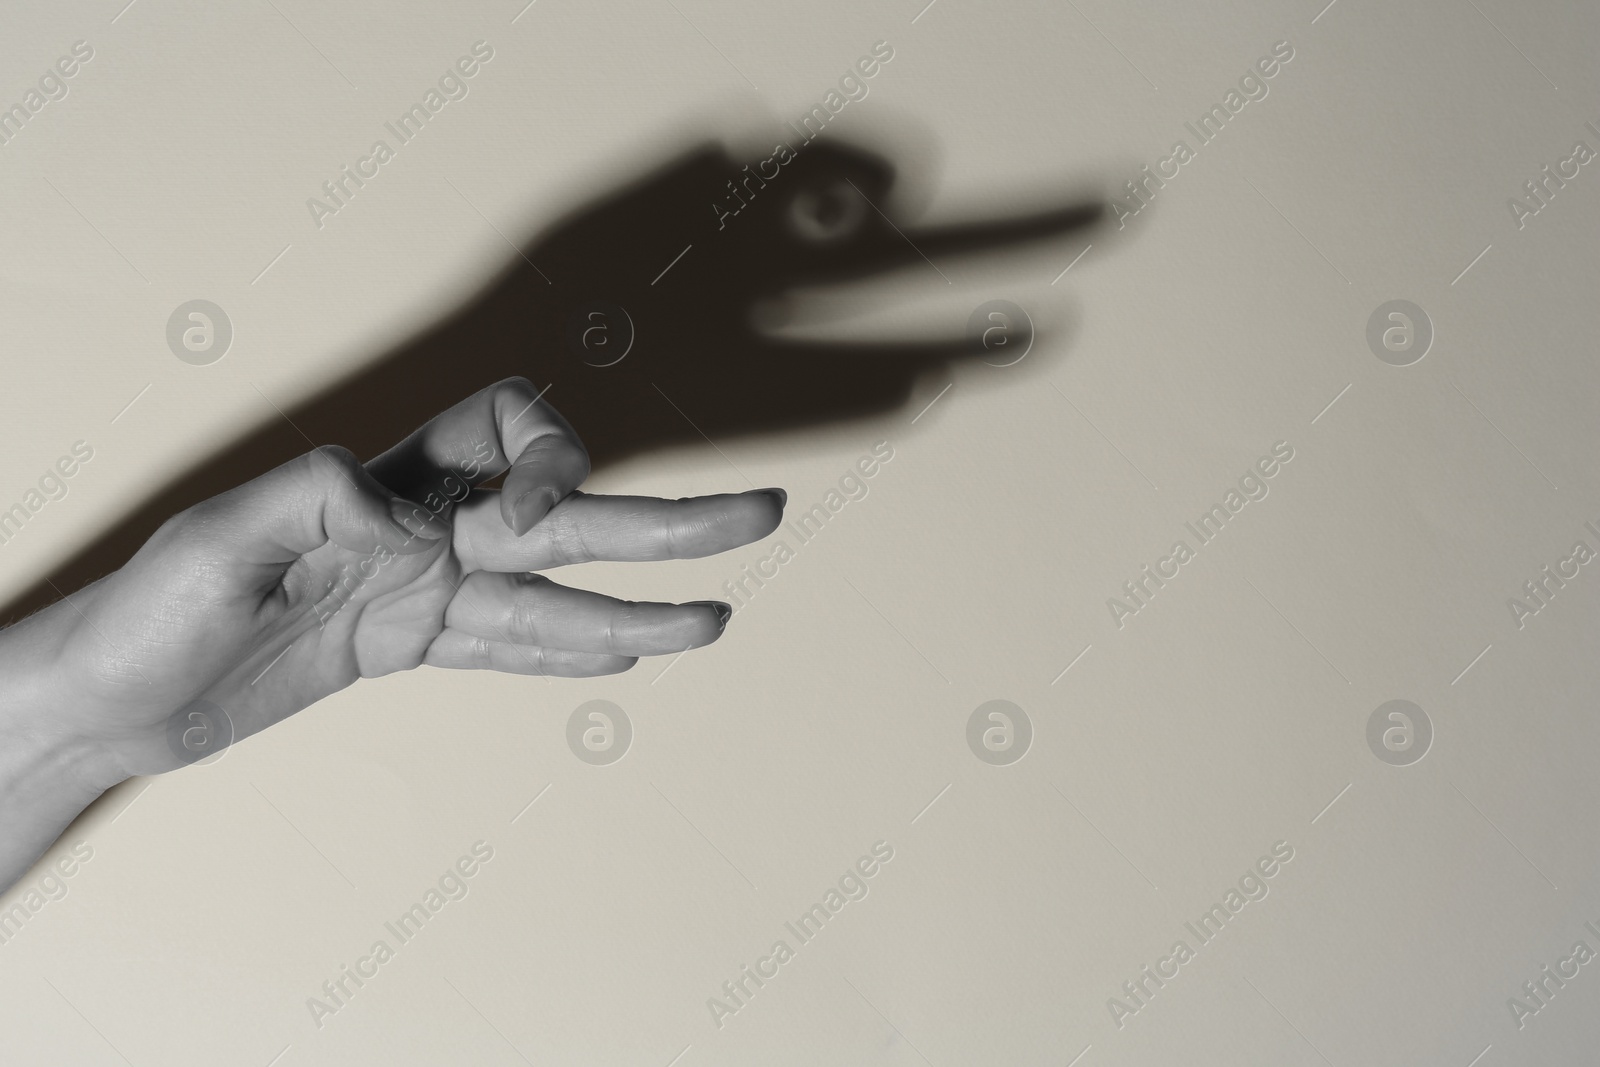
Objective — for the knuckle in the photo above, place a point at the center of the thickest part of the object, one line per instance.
(332, 467)
(570, 447)
(184, 524)
(566, 538)
(672, 533)
(621, 622)
(513, 383)
(509, 396)
(479, 654)
(333, 455)
(523, 618)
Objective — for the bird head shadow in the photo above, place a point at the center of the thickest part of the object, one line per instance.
(636, 313)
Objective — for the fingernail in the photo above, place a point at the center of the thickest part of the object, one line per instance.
(724, 611)
(522, 513)
(777, 494)
(415, 520)
(530, 507)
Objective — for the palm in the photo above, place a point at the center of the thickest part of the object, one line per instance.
(259, 656)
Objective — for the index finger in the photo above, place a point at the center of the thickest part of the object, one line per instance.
(630, 529)
(507, 427)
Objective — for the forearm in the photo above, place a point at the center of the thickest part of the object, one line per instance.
(47, 776)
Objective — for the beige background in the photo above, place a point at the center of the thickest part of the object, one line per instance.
(1223, 718)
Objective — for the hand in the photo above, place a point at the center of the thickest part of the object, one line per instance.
(263, 600)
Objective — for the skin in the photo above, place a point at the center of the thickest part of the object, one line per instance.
(284, 590)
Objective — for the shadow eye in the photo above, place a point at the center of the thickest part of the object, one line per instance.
(829, 214)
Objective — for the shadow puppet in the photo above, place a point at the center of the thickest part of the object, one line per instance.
(636, 312)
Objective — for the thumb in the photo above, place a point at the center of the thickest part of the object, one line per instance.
(323, 496)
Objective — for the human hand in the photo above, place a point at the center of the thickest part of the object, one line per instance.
(275, 594)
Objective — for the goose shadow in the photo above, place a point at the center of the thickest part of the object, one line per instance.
(636, 311)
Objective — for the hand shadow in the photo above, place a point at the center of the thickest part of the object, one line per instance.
(636, 312)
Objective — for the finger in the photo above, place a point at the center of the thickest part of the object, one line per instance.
(530, 609)
(506, 428)
(460, 650)
(323, 496)
(888, 360)
(625, 529)
(998, 234)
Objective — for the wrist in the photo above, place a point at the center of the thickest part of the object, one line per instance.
(48, 774)
(41, 741)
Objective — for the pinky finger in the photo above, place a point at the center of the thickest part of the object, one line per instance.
(459, 650)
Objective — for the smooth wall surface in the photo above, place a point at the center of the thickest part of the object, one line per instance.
(1408, 890)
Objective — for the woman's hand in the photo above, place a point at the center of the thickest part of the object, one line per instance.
(257, 603)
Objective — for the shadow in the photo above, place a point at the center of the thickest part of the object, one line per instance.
(636, 311)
